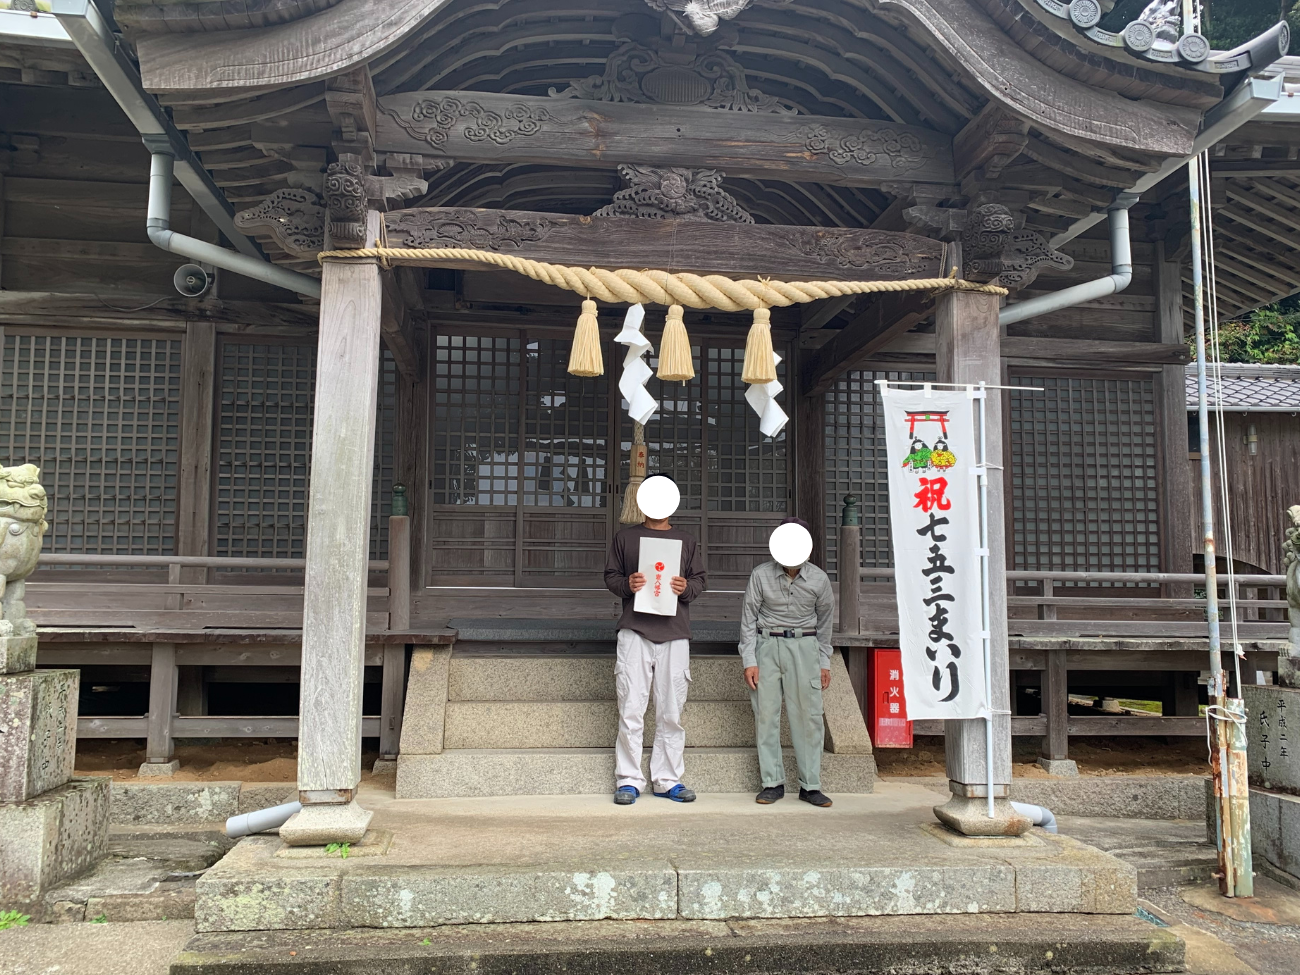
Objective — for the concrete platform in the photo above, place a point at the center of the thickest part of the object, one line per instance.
(581, 858)
(962, 945)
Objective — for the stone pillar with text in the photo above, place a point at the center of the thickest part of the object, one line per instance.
(338, 527)
(52, 826)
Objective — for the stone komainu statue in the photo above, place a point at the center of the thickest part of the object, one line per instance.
(1291, 559)
(22, 527)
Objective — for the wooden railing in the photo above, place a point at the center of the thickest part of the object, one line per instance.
(195, 602)
(1068, 602)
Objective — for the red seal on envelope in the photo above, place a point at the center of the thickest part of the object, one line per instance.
(659, 567)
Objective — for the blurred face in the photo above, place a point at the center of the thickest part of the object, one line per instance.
(658, 498)
(790, 545)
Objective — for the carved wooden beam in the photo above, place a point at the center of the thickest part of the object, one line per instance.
(487, 128)
(705, 247)
(886, 317)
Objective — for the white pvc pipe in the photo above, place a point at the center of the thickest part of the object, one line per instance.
(261, 819)
(1038, 815)
(158, 225)
(1121, 273)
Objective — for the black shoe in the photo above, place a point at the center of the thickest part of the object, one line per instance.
(815, 797)
(770, 794)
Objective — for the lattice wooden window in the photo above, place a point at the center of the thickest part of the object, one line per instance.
(264, 450)
(100, 416)
(1084, 474)
(674, 436)
(566, 431)
(747, 471)
(856, 463)
(476, 419)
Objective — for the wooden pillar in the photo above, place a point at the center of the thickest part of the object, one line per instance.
(411, 451)
(338, 529)
(1178, 513)
(392, 700)
(810, 470)
(968, 350)
(194, 474)
(1056, 702)
(162, 704)
(849, 558)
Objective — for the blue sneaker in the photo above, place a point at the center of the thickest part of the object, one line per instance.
(678, 793)
(626, 795)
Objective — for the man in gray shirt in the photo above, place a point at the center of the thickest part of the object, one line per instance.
(785, 644)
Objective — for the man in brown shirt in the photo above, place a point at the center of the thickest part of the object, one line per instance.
(653, 651)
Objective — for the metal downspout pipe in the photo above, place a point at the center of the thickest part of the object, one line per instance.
(1121, 272)
(158, 225)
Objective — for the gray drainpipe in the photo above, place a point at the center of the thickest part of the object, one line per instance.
(1121, 272)
(160, 232)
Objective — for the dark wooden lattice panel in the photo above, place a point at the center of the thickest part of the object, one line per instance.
(264, 430)
(856, 463)
(1084, 474)
(476, 419)
(674, 435)
(100, 417)
(263, 450)
(747, 471)
(566, 432)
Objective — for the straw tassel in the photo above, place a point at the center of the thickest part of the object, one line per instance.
(760, 359)
(585, 358)
(675, 363)
(631, 513)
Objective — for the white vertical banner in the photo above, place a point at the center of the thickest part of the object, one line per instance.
(934, 518)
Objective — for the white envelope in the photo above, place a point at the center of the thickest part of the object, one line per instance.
(660, 560)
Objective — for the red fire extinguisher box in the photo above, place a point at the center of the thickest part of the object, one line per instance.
(886, 705)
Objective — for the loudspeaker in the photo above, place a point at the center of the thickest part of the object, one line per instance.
(191, 280)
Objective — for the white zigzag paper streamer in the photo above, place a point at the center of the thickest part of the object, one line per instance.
(641, 405)
(762, 397)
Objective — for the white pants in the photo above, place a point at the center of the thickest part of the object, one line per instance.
(641, 666)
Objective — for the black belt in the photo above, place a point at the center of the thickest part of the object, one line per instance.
(788, 634)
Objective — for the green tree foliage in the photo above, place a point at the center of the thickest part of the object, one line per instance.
(1227, 23)
(1268, 335)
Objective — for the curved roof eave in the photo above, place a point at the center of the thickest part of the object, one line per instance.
(356, 31)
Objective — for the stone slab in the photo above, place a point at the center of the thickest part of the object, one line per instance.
(1273, 735)
(159, 770)
(1275, 831)
(423, 717)
(568, 771)
(17, 654)
(320, 824)
(178, 803)
(38, 720)
(572, 677)
(1116, 796)
(915, 945)
(51, 838)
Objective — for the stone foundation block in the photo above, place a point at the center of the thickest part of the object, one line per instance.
(175, 803)
(38, 715)
(17, 654)
(830, 890)
(51, 838)
(403, 897)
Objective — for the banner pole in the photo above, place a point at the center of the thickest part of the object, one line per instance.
(985, 612)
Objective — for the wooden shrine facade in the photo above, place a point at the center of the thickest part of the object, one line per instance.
(879, 140)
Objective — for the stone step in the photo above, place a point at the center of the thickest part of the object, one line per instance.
(936, 945)
(591, 724)
(473, 772)
(565, 677)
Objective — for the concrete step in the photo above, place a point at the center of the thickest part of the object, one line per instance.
(571, 677)
(590, 724)
(473, 772)
(934, 945)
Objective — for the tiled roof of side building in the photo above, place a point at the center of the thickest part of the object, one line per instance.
(1248, 387)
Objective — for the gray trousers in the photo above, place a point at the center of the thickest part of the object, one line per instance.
(789, 670)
